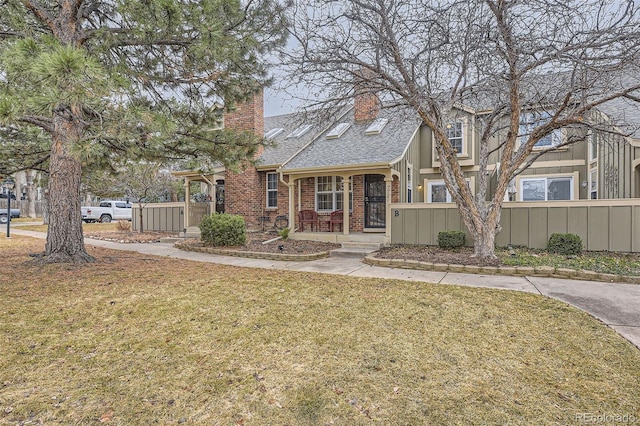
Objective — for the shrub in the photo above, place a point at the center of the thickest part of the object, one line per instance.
(565, 244)
(123, 225)
(451, 239)
(223, 230)
(284, 233)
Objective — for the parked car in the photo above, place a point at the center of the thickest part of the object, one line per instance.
(107, 211)
(15, 213)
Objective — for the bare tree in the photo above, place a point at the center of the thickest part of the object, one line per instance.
(142, 183)
(497, 58)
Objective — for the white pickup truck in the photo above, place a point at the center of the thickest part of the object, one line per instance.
(107, 211)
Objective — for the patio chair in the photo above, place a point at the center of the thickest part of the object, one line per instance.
(336, 218)
(309, 217)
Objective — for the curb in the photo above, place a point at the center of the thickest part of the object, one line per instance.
(520, 271)
(253, 254)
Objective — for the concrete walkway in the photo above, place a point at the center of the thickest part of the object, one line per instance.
(616, 305)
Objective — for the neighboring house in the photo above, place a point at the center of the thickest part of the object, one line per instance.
(381, 157)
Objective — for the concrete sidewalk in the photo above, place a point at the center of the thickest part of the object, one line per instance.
(616, 305)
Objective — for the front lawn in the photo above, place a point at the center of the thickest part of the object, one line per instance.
(135, 339)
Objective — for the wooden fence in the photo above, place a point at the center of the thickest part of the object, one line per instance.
(159, 217)
(22, 205)
(603, 225)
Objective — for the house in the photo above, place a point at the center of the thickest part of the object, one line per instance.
(379, 159)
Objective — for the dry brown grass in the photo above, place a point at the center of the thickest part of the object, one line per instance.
(135, 339)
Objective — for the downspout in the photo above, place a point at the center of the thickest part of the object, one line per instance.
(292, 212)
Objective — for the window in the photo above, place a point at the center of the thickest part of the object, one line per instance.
(338, 130)
(593, 147)
(273, 133)
(529, 121)
(409, 183)
(546, 189)
(437, 191)
(329, 195)
(272, 190)
(593, 184)
(454, 134)
(376, 127)
(299, 131)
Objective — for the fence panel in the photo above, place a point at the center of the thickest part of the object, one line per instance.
(603, 225)
(159, 217)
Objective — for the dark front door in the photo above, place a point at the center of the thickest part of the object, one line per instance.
(374, 201)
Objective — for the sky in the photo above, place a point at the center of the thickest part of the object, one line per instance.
(277, 102)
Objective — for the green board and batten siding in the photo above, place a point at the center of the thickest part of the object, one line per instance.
(612, 225)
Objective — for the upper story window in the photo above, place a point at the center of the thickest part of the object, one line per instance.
(272, 190)
(456, 136)
(531, 120)
(593, 147)
(546, 188)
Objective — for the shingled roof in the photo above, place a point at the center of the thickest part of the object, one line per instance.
(352, 148)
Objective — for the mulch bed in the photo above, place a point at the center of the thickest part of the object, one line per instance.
(434, 254)
(255, 243)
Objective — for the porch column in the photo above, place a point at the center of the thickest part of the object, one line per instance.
(388, 180)
(291, 185)
(187, 197)
(346, 188)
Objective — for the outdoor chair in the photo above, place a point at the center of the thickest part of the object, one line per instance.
(309, 217)
(336, 218)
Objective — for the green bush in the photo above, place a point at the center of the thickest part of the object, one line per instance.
(565, 244)
(284, 233)
(223, 230)
(451, 239)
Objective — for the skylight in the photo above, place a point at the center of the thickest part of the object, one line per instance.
(338, 130)
(273, 133)
(299, 131)
(376, 127)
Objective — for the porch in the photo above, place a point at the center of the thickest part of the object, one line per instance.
(341, 238)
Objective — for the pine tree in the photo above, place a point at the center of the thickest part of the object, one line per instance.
(109, 81)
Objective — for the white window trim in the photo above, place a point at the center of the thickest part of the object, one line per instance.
(428, 184)
(556, 136)
(468, 143)
(409, 193)
(591, 181)
(268, 190)
(574, 184)
(463, 142)
(593, 139)
(334, 191)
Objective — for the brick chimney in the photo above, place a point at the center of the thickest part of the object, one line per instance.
(247, 116)
(245, 191)
(366, 102)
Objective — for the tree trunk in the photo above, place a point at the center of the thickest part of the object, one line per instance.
(31, 194)
(484, 243)
(65, 241)
(483, 228)
(140, 216)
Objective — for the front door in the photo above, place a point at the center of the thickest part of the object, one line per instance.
(375, 208)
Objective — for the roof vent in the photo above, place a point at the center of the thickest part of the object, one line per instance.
(273, 133)
(338, 130)
(376, 127)
(299, 131)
